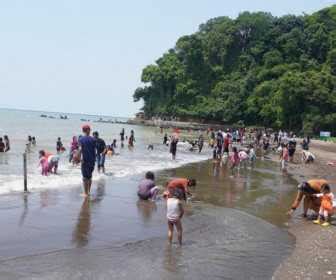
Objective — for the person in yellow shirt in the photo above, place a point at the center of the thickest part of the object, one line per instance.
(306, 191)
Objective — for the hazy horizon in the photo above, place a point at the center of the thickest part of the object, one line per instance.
(82, 56)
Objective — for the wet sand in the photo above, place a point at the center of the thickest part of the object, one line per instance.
(314, 253)
(234, 228)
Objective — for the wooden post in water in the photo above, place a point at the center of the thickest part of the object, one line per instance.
(25, 172)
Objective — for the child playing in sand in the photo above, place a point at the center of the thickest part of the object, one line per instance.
(327, 198)
(175, 213)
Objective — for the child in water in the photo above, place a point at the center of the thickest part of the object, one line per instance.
(175, 213)
(327, 198)
(44, 163)
(234, 158)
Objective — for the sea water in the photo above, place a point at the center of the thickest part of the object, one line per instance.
(19, 124)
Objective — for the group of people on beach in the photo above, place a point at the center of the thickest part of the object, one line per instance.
(238, 146)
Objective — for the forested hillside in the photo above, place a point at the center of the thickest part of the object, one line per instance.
(253, 70)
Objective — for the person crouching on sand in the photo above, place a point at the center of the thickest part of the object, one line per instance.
(306, 192)
(175, 213)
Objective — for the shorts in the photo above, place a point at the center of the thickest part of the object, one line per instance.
(87, 170)
(100, 160)
(291, 152)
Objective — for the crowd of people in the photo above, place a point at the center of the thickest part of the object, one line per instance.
(234, 146)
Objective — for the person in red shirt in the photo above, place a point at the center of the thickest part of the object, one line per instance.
(182, 183)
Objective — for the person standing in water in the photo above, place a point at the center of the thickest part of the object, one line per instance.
(173, 146)
(175, 213)
(59, 145)
(2, 145)
(73, 148)
(200, 143)
(165, 139)
(131, 139)
(122, 137)
(101, 152)
(88, 153)
(7, 143)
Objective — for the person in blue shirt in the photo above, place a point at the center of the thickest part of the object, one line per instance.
(88, 155)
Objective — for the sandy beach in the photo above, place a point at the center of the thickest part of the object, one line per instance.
(314, 253)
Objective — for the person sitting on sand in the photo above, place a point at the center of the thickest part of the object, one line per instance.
(306, 190)
(175, 213)
(147, 189)
(181, 183)
(326, 208)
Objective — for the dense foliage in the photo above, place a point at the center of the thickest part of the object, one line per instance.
(255, 70)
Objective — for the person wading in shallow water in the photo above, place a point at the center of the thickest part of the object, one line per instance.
(88, 153)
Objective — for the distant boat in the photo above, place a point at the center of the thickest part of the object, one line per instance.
(43, 116)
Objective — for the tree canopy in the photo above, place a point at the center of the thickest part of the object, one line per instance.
(256, 69)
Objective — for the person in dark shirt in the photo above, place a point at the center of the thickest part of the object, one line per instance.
(122, 137)
(101, 152)
(2, 146)
(131, 140)
(88, 153)
(165, 139)
(59, 145)
(173, 146)
(7, 143)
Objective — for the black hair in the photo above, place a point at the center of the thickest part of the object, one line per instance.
(192, 182)
(325, 188)
(42, 153)
(150, 175)
(95, 133)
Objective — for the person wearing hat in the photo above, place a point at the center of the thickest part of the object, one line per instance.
(306, 191)
(88, 154)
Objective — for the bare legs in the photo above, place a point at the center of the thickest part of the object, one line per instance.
(179, 229)
(87, 186)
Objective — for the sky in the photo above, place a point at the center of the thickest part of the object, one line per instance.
(84, 56)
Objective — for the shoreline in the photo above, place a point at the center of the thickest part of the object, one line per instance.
(313, 255)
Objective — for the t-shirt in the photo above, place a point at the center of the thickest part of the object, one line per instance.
(178, 182)
(100, 145)
(88, 148)
(145, 186)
